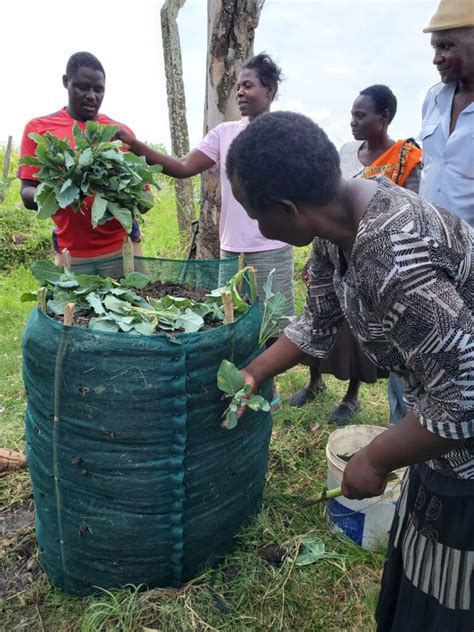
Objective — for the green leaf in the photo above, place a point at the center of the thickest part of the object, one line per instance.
(107, 132)
(66, 284)
(77, 133)
(99, 207)
(31, 161)
(123, 215)
(257, 402)
(68, 159)
(91, 282)
(312, 550)
(267, 286)
(189, 321)
(45, 198)
(137, 280)
(58, 307)
(94, 301)
(116, 305)
(103, 324)
(68, 194)
(145, 328)
(26, 297)
(46, 271)
(231, 419)
(38, 138)
(86, 157)
(229, 378)
(112, 154)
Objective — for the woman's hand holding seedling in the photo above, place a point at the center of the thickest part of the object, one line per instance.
(241, 386)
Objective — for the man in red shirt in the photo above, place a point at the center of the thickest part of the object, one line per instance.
(92, 250)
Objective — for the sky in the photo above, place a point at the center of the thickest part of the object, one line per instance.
(328, 50)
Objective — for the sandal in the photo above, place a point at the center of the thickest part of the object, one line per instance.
(305, 395)
(343, 413)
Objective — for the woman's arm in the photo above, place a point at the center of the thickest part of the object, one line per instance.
(280, 357)
(404, 444)
(193, 163)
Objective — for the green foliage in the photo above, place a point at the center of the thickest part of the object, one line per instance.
(21, 241)
(230, 380)
(232, 286)
(5, 184)
(119, 308)
(274, 308)
(96, 166)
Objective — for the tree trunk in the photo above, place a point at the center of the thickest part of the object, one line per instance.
(177, 109)
(231, 32)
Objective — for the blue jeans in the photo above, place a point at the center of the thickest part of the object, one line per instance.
(396, 402)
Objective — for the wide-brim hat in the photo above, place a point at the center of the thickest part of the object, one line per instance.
(452, 14)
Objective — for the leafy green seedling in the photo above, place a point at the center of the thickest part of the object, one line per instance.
(231, 381)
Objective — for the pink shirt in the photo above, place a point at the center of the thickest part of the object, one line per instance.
(237, 231)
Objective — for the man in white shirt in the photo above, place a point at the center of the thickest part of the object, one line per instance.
(447, 132)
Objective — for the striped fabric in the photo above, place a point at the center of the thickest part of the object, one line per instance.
(428, 580)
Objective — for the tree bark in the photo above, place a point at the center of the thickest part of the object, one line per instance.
(177, 109)
(231, 33)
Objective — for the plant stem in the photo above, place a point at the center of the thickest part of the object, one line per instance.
(327, 494)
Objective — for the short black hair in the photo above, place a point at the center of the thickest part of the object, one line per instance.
(267, 71)
(83, 60)
(383, 98)
(284, 155)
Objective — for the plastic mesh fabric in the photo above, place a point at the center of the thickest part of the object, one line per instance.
(134, 480)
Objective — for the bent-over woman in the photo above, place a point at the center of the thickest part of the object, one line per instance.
(401, 272)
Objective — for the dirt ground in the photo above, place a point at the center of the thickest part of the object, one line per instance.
(18, 561)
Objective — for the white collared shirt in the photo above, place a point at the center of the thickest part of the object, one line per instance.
(447, 179)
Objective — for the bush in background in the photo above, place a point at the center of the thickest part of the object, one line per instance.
(23, 239)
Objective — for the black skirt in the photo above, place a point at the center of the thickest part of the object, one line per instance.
(346, 360)
(428, 579)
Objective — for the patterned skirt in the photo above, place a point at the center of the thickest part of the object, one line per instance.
(428, 579)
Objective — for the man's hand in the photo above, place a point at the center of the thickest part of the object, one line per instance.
(124, 136)
(360, 479)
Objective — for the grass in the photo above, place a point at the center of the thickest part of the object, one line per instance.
(247, 592)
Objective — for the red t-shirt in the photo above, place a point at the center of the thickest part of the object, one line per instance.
(74, 230)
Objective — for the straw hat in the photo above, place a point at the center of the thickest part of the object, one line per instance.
(452, 14)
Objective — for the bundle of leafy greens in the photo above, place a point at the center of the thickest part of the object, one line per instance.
(117, 307)
(95, 166)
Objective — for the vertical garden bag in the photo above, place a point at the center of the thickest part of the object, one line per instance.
(134, 479)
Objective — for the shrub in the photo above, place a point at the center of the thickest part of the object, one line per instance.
(23, 239)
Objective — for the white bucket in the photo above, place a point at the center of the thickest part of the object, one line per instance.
(367, 522)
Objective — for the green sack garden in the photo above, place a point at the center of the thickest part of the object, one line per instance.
(134, 479)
